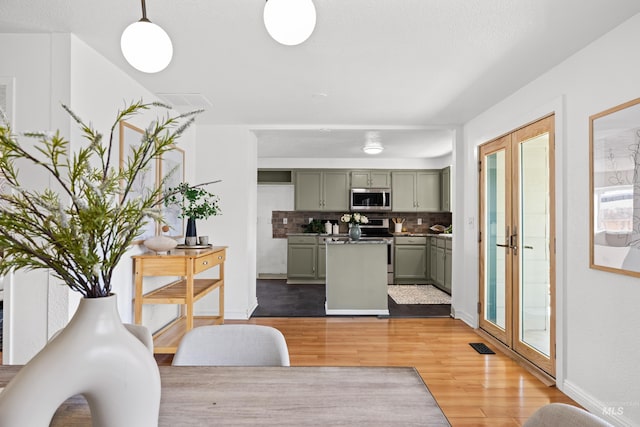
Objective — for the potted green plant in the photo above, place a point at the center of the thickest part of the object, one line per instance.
(79, 229)
(194, 202)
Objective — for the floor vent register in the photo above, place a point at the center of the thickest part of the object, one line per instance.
(481, 348)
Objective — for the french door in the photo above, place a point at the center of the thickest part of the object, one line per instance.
(517, 242)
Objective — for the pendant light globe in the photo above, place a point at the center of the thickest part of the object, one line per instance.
(146, 46)
(290, 22)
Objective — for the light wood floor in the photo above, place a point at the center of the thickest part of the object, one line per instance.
(472, 389)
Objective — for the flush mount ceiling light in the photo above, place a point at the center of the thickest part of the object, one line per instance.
(373, 144)
(290, 22)
(145, 45)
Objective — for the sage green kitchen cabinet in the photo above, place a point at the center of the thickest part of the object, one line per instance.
(415, 191)
(410, 260)
(302, 258)
(440, 262)
(403, 189)
(428, 191)
(447, 265)
(445, 190)
(433, 259)
(370, 179)
(321, 190)
(306, 259)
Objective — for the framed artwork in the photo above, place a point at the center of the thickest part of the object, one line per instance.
(147, 180)
(615, 189)
(172, 173)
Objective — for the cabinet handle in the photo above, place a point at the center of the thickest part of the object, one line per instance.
(205, 262)
(220, 257)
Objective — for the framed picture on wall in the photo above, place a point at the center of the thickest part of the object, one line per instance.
(172, 173)
(147, 180)
(615, 189)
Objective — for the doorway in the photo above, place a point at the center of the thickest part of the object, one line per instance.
(517, 242)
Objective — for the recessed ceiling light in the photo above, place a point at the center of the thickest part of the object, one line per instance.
(319, 95)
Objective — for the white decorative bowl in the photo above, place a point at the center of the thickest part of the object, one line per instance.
(160, 244)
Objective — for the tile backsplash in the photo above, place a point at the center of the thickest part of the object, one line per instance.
(297, 221)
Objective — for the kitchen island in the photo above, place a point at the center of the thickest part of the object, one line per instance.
(356, 277)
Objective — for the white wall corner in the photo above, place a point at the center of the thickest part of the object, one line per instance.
(613, 412)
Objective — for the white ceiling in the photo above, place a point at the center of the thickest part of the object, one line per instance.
(409, 68)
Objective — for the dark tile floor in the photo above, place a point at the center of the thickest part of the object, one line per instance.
(277, 299)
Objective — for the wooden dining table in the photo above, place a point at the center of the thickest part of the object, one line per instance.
(279, 396)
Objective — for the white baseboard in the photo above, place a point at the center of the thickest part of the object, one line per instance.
(240, 314)
(349, 312)
(613, 412)
(272, 276)
(466, 318)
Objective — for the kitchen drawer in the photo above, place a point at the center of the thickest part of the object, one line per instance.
(208, 261)
(440, 242)
(448, 244)
(411, 240)
(302, 240)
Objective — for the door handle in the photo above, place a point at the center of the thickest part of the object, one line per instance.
(513, 240)
(507, 240)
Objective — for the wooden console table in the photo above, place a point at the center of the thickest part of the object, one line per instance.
(185, 263)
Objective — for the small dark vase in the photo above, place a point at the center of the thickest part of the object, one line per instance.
(191, 228)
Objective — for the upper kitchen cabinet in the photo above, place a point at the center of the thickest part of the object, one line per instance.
(321, 190)
(445, 190)
(370, 179)
(415, 191)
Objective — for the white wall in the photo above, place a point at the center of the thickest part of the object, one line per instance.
(230, 154)
(26, 293)
(598, 316)
(99, 89)
(60, 68)
(272, 253)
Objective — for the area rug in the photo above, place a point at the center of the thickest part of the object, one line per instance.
(418, 294)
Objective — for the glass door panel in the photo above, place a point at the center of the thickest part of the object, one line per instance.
(535, 237)
(494, 298)
(535, 269)
(494, 225)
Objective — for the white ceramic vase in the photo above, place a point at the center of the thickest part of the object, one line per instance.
(96, 356)
(160, 244)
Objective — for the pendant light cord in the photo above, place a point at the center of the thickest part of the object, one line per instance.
(144, 12)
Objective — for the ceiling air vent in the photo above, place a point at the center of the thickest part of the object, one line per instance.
(190, 100)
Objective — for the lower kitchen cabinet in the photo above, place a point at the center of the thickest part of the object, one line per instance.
(306, 260)
(433, 260)
(410, 260)
(447, 267)
(440, 262)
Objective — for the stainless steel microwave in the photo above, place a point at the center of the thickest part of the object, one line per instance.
(370, 199)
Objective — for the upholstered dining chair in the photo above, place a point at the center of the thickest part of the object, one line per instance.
(138, 331)
(560, 414)
(232, 345)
